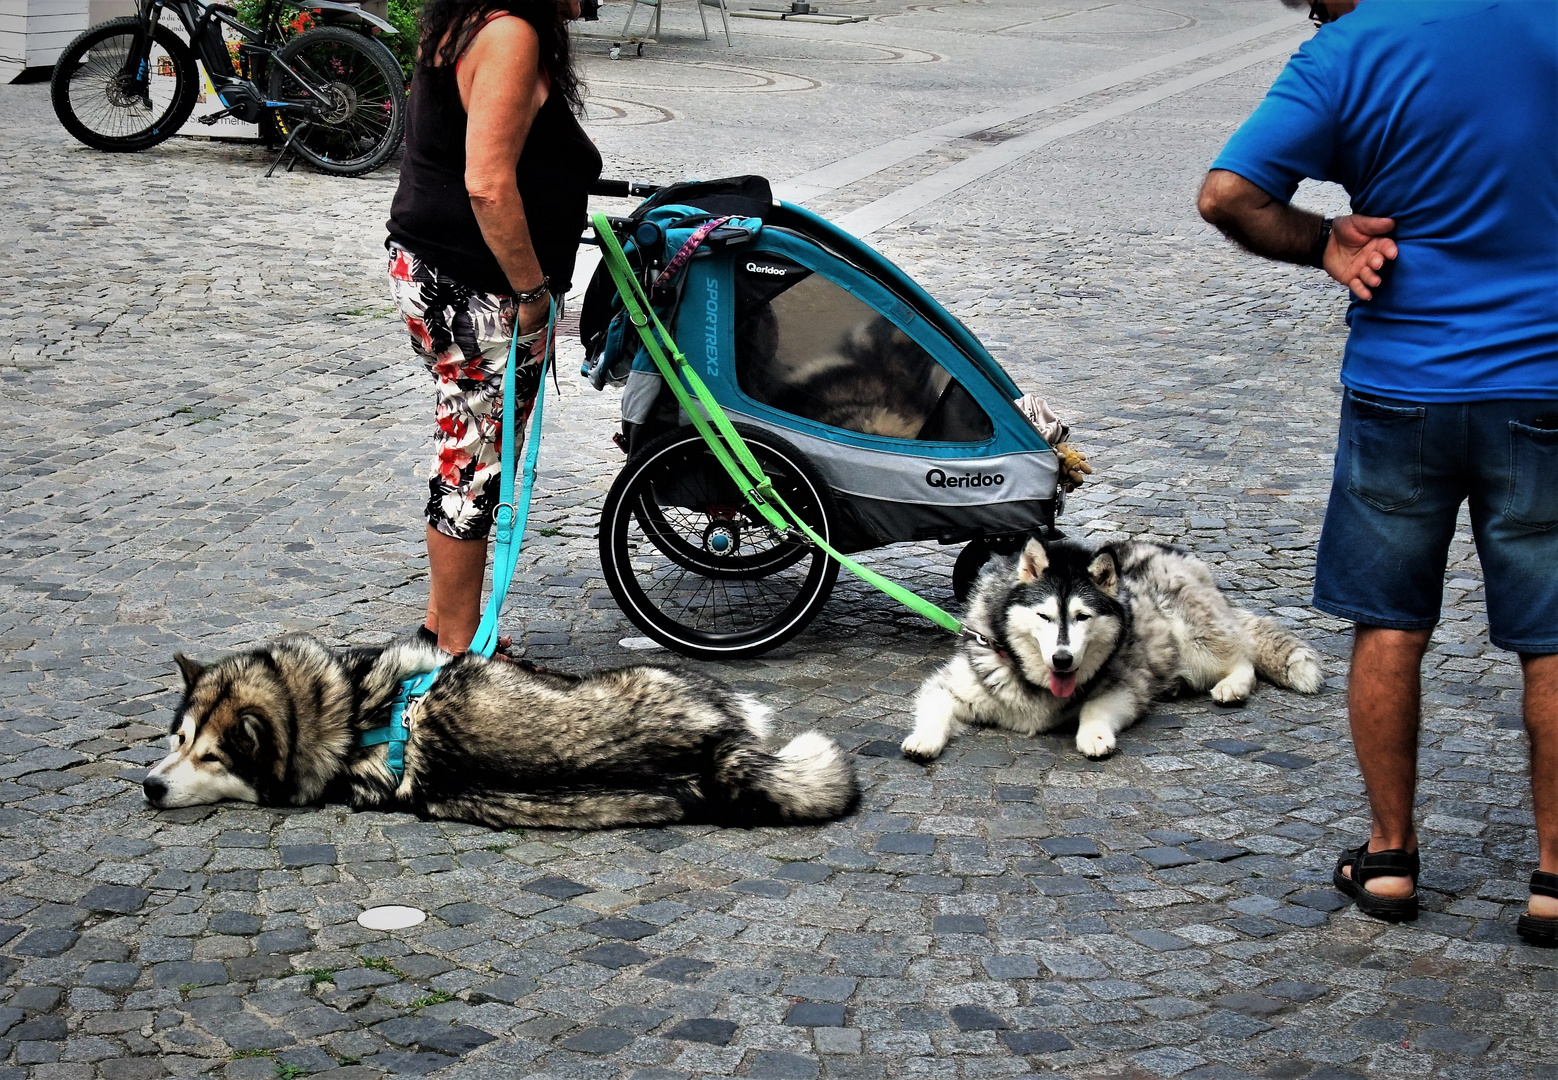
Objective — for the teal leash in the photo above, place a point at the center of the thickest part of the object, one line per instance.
(509, 521)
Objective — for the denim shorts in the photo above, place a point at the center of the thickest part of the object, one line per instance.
(1403, 469)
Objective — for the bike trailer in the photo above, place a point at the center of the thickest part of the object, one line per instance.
(876, 413)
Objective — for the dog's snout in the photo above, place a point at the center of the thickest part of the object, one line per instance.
(155, 789)
(1062, 660)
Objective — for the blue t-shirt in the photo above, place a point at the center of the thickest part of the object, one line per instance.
(1442, 114)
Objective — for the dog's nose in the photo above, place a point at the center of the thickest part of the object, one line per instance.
(1062, 660)
(155, 789)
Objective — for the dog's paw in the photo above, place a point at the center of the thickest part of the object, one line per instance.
(1095, 742)
(922, 748)
(1230, 692)
(1304, 674)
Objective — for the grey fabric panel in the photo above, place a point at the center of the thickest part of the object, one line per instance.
(639, 395)
(1029, 476)
(885, 522)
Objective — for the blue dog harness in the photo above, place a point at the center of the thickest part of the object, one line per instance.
(509, 521)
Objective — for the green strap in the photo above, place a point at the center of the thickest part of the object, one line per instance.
(720, 434)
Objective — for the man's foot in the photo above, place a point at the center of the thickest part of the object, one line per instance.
(1377, 890)
(1539, 925)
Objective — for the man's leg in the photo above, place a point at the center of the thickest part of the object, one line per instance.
(1383, 699)
(1541, 712)
(456, 569)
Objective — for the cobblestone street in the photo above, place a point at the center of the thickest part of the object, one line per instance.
(216, 433)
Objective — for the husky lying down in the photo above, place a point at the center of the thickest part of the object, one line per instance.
(492, 743)
(1095, 636)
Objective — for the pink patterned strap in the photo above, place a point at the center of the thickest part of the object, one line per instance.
(694, 242)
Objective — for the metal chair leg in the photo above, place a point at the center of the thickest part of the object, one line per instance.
(725, 18)
(703, 20)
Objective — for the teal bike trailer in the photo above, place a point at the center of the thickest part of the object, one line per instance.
(858, 413)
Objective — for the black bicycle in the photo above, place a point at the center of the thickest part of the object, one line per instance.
(336, 94)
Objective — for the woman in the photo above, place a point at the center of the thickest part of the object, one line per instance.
(483, 230)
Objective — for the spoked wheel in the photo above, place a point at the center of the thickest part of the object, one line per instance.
(362, 116)
(694, 564)
(111, 108)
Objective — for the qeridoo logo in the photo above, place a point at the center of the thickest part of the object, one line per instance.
(711, 328)
(938, 479)
(759, 268)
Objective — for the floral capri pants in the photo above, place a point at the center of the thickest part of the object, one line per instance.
(462, 336)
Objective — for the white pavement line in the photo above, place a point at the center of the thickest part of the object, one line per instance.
(846, 171)
(889, 208)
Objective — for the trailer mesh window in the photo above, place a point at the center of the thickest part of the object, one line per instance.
(807, 346)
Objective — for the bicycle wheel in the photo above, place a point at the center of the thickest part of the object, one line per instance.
(97, 101)
(363, 117)
(695, 566)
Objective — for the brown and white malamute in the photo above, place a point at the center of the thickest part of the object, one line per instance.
(1074, 634)
(492, 742)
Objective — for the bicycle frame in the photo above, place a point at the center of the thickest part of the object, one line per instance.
(203, 22)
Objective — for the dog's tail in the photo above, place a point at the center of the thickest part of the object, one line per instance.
(1279, 656)
(807, 779)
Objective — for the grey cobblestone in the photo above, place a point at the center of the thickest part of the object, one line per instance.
(216, 435)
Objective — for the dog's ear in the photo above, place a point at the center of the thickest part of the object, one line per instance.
(190, 669)
(251, 727)
(1033, 563)
(1104, 572)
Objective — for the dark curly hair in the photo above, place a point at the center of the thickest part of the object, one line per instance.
(448, 26)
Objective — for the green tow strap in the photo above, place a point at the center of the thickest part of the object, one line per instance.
(721, 435)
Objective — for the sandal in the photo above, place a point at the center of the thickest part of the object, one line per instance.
(504, 651)
(1536, 930)
(1368, 865)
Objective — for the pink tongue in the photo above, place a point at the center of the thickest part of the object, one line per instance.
(1062, 683)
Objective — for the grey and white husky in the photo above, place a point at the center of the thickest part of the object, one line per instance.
(493, 743)
(1093, 636)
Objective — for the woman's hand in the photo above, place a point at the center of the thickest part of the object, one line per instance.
(533, 318)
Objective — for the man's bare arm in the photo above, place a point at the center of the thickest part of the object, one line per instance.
(1356, 252)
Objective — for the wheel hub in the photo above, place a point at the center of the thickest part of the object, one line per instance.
(342, 103)
(123, 93)
(721, 538)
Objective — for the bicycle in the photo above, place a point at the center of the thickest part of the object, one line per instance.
(335, 93)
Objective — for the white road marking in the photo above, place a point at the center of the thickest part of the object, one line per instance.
(858, 166)
(889, 208)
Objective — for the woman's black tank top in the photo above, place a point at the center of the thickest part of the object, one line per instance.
(431, 216)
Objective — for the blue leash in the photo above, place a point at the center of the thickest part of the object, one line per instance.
(509, 519)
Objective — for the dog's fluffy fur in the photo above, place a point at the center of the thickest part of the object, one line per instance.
(1094, 636)
(492, 743)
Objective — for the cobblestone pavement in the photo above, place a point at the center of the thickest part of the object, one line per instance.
(215, 434)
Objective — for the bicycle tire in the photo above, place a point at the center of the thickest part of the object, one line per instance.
(665, 594)
(367, 116)
(91, 102)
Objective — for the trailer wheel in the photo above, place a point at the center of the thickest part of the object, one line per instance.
(693, 563)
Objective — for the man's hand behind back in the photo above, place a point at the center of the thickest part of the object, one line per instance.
(1358, 251)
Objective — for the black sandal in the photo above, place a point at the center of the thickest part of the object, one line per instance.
(1538, 931)
(1368, 865)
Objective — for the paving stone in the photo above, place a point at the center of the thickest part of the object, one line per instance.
(118, 899)
(1057, 846)
(557, 888)
(976, 1018)
(597, 1040)
(614, 955)
(679, 969)
(703, 1030)
(1163, 858)
(782, 1065)
(1036, 1042)
(815, 1014)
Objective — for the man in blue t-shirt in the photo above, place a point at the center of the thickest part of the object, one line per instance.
(1440, 118)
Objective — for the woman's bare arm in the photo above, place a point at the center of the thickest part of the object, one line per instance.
(501, 89)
